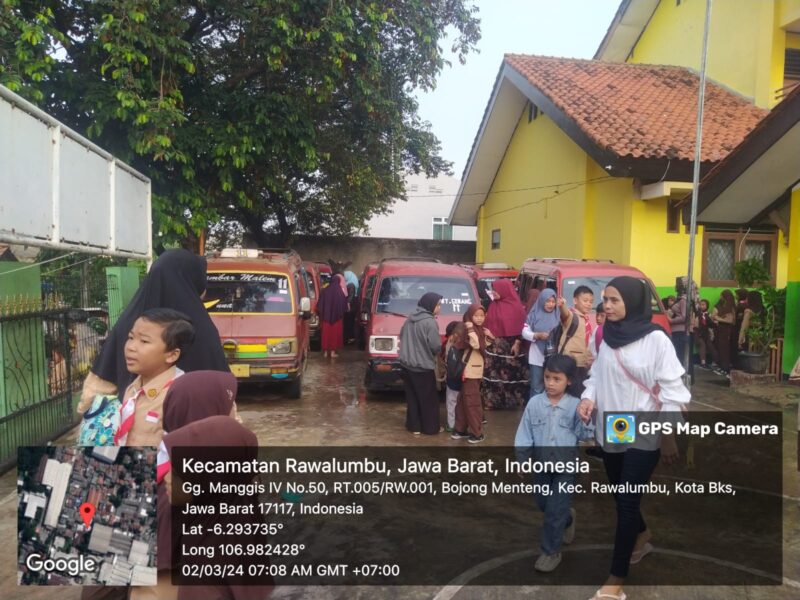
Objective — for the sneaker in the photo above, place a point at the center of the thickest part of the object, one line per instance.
(484, 421)
(449, 429)
(548, 562)
(569, 532)
(459, 435)
(476, 439)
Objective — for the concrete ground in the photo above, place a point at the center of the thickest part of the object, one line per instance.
(335, 410)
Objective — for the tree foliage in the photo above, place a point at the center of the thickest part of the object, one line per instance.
(285, 115)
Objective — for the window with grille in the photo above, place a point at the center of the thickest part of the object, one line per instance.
(441, 230)
(791, 69)
(495, 239)
(722, 250)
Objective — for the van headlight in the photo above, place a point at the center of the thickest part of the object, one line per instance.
(383, 343)
(281, 345)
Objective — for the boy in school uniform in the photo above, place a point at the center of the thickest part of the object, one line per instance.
(576, 336)
(153, 348)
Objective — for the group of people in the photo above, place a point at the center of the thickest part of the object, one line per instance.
(578, 368)
(164, 363)
(719, 333)
(164, 354)
(493, 359)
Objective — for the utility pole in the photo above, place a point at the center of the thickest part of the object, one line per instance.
(701, 97)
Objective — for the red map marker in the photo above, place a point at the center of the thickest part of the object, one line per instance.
(87, 513)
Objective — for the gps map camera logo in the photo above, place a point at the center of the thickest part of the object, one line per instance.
(620, 429)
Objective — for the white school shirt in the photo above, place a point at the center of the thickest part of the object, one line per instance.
(651, 360)
(535, 356)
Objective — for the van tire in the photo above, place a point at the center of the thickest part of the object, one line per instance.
(296, 388)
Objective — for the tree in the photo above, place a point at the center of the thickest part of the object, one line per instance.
(287, 116)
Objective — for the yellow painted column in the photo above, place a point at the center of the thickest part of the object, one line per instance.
(791, 342)
(480, 237)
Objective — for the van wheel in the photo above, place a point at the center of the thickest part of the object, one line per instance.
(296, 388)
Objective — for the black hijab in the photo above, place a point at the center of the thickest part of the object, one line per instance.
(638, 313)
(429, 301)
(175, 281)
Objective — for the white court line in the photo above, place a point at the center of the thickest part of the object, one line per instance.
(452, 588)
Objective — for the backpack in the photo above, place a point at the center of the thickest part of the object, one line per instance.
(100, 422)
(455, 363)
(555, 336)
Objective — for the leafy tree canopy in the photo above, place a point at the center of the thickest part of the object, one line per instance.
(285, 115)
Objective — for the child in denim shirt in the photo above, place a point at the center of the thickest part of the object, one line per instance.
(550, 429)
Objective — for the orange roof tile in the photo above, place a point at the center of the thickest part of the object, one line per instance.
(640, 111)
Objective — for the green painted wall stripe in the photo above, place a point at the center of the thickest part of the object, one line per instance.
(791, 340)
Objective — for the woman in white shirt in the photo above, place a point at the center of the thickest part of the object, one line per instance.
(636, 370)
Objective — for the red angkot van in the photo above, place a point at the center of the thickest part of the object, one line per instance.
(366, 283)
(399, 284)
(314, 286)
(259, 302)
(564, 275)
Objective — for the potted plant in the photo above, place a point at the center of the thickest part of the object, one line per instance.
(764, 331)
(760, 338)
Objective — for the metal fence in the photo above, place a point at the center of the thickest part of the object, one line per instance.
(46, 350)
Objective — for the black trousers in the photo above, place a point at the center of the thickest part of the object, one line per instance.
(422, 401)
(635, 467)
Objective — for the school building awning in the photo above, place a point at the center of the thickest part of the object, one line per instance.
(758, 176)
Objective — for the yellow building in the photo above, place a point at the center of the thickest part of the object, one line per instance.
(585, 159)
(591, 159)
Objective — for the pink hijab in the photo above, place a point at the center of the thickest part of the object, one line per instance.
(506, 315)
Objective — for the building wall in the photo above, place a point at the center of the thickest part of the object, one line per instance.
(362, 250)
(535, 219)
(607, 228)
(751, 65)
(413, 218)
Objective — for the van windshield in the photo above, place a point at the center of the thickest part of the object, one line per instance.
(597, 284)
(249, 293)
(400, 295)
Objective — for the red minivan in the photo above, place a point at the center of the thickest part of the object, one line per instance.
(259, 302)
(485, 274)
(399, 284)
(564, 275)
(325, 273)
(314, 286)
(366, 284)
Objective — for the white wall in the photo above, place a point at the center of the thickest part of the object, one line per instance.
(413, 219)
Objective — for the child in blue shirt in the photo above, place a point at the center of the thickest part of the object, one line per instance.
(550, 429)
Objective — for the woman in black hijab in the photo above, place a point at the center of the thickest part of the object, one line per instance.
(177, 280)
(420, 342)
(636, 371)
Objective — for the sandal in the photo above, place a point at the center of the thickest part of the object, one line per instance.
(638, 555)
(599, 596)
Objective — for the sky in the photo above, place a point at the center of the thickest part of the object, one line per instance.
(570, 28)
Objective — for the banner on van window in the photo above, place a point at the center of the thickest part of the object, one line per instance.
(279, 280)
(248, 293)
